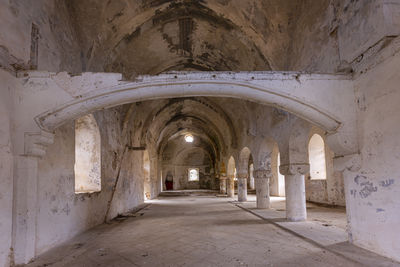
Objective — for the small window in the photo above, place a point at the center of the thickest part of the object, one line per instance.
(87, 155)
(316, 153)
(193, 174)
(235, 175)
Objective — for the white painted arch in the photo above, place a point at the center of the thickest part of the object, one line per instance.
(324, 100)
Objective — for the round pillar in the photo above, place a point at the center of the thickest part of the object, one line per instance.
(242, 187)
(261, 178)
(222, 185)
(295, 197)
(295, 190)
(230, 187)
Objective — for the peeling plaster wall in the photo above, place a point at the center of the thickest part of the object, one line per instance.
(373, 192)
(62, 213)
(130, 188)
(319, 36)
(219, 34)
(333, 34)
(281, 35)
(6, 167)
(58, 206)
(314, 46)
(58, 48)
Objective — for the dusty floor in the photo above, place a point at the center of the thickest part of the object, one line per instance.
(206, 231)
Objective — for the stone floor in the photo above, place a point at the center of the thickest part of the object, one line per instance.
(210, 231)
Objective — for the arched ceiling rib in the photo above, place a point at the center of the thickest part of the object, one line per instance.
(201, 131)
(190, 123)
(194, 113)
(165, 122)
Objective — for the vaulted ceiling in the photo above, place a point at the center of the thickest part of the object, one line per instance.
(154, 36)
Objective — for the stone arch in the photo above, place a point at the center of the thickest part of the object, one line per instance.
(171, 86)
(304, 95)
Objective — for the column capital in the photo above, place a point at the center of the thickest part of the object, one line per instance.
(294, 168)
(262, 174)
(243, 175)
(223, 177)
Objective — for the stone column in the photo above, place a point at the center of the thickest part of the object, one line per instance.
(242, 187)
(222, 185)
(295, 198)
(295, 191)
(262, 188)
(230, 186)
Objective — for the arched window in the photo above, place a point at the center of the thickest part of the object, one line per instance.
(87, 155)
(193, 174)
(316, 154)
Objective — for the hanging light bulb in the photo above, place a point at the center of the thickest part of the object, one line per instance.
(189, 138)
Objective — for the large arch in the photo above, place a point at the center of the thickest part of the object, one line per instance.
(313, 97)
(168, 86)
